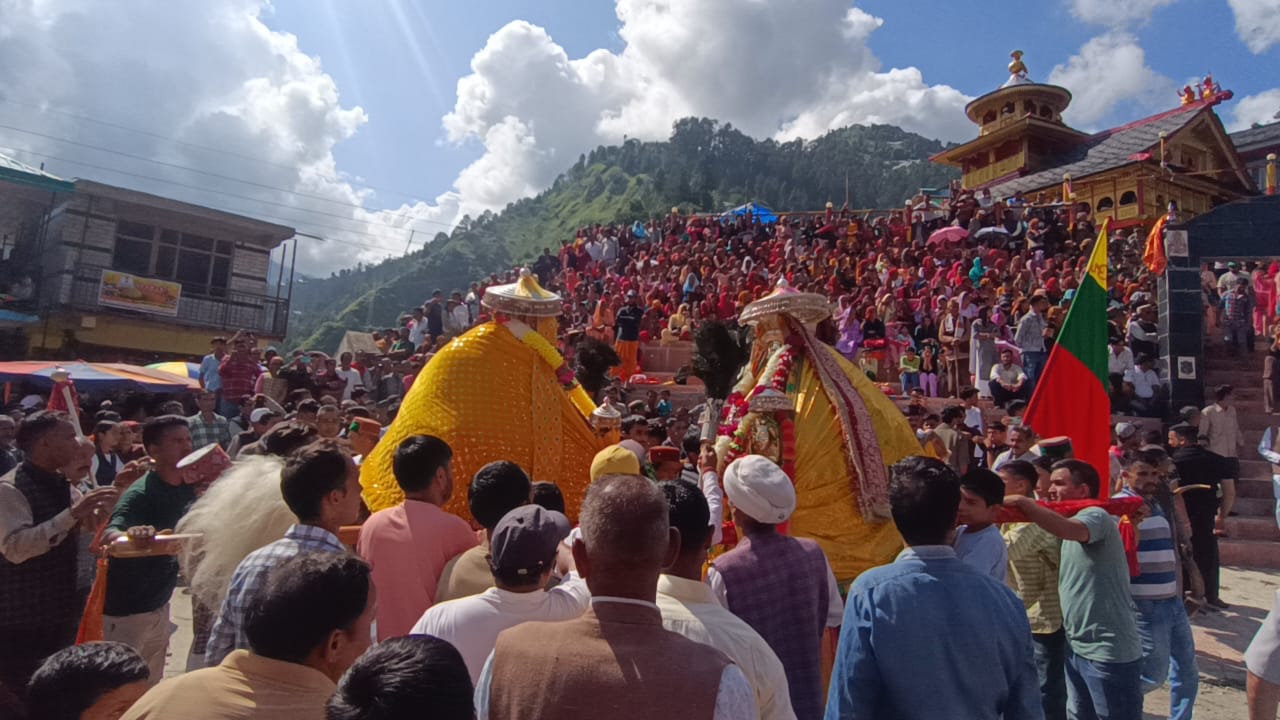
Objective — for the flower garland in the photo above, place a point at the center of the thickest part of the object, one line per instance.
(553, 358)
(776, 375)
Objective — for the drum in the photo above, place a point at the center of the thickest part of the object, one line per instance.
(204, 465)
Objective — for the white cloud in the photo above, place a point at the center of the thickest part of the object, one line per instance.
(1262, 109)
(215, 75)
(1116, 13)
(1109, 71)
(206, 74)
(1257, 23)
(535, 109)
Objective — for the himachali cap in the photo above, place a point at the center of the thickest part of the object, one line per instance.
(663, 453)
(523, 297)
(1058, 448)
(786, 300)
(525, 540)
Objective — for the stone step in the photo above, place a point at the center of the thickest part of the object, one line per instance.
(1252, 467)
(1254, 488)
(1254, 506)
(1249, 553)
(655, 357)
(1253, 528)
(1240, 394)
(1235, 377)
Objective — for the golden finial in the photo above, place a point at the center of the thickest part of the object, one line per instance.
(1017, 68)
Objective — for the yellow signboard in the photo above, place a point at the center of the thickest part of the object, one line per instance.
(130, 292)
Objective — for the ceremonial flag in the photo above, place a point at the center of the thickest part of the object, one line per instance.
(1071, 396)
(1153, 257)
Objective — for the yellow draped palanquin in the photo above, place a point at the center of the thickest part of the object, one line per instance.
(827, 503)
(493, 396)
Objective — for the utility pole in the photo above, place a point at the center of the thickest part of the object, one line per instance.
(408, 244)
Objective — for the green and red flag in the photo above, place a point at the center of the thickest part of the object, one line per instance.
(1071, 397)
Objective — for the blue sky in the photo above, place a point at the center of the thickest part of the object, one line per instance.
(401, 63)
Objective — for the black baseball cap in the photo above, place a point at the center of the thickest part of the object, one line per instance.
(525, 540)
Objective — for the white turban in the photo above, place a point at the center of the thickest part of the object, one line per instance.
(759, 488)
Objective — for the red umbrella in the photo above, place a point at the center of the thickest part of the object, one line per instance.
(951, 234)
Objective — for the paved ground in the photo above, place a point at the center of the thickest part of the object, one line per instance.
(1221, 639)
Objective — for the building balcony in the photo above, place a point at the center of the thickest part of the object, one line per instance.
(982, 176)
(226, 310)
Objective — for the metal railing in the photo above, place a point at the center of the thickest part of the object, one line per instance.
(261, 314)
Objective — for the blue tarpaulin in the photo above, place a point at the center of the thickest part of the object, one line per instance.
(758, 211)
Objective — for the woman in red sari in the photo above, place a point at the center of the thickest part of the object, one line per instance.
(1264, 287)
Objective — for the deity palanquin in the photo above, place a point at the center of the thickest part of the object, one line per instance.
(500, 391)
(835, 437)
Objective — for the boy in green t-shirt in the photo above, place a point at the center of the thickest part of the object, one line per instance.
(909, 370)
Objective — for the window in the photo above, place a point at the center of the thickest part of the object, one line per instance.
(133, 247)
(1106, 204)
(201, 264)
(1129, 197)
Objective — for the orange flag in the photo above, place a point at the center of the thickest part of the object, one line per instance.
(1153, 257)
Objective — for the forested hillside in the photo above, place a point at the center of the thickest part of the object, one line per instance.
(704, 167)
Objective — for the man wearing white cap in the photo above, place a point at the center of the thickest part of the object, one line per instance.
(260, 421)
(781, 586)
(522, 554)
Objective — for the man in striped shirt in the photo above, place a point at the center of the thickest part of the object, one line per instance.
(1168, 649)
(1034, 557)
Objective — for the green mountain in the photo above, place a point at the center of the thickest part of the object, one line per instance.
(704, 167)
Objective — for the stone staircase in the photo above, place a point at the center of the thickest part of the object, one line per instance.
(660, 363)
(1253, 540)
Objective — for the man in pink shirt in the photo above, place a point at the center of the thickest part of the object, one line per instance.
(408, 545)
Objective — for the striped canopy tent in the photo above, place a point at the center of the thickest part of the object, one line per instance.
(179, 368)
(95, 377)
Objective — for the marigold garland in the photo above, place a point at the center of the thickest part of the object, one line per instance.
(553, 358)
(776, 375)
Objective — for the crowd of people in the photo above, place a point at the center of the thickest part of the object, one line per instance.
(931, 296)
(529, 617)
(680, 592)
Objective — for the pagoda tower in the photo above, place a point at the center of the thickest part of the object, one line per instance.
(1020, 130)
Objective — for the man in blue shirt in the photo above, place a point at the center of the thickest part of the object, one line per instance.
(210, 377)
(928, 636)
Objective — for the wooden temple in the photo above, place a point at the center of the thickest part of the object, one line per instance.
(1129, 174)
